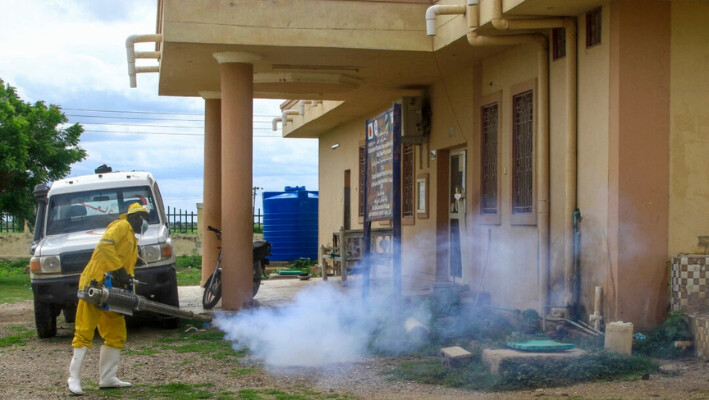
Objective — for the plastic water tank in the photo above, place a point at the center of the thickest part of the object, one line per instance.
(290, 223)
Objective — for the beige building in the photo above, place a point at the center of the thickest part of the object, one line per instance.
(532, 109)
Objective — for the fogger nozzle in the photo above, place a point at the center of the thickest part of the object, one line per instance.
(125, 301)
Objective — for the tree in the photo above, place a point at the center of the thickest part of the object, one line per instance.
(35, 148)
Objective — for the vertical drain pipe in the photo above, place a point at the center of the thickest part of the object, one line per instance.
(543, 214)
(575, 310)
(571, 157)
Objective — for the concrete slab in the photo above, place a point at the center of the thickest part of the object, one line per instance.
(272, 293)
(455, 352)
(454, 356)
(494, 357)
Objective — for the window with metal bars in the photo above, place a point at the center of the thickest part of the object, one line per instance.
(522, 152)
(593, 27)
(488, 158)
(362, 169)
(407, 181)
(558, 39)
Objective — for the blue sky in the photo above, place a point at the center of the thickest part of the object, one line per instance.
(72, 53)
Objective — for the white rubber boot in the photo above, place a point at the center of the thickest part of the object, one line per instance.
(108, 366)
(77, 361)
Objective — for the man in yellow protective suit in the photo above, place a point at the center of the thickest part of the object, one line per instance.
(116, 252)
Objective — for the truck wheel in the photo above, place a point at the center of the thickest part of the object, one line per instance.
(69, 311)
(171, 299)
(45, 319)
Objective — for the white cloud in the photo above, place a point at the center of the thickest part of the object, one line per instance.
(72, 53)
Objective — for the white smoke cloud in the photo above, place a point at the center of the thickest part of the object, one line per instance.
(326, 324)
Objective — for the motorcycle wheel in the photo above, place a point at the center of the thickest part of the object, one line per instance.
(212, 290)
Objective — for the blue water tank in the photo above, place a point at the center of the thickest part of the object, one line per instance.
(290, 223)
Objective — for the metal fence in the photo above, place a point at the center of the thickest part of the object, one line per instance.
(258, 222)
(180, 221)
(10, 224)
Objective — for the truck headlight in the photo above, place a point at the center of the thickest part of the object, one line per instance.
(45, 265)
(151, 254)
(156, 252)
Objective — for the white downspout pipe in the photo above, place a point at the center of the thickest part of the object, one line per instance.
(433, 11)
(286, 113)
(131, 55)
(301, 105)
(571, 158)
(275, 123)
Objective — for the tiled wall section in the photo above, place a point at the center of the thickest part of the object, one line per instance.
(689, 295)
(689, 282)
(699, 325)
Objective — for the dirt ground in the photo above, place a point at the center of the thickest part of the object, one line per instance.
(38, 370)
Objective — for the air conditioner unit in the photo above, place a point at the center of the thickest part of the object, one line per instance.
(413, 129)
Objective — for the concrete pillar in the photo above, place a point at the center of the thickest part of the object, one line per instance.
(212, 207)
(236, 158)
(639, 169)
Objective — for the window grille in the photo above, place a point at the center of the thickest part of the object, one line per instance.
(489, 159)
(593, 27)
(522, 152)
(558, 39)
(407, 180)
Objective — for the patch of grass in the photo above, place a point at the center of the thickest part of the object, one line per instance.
(243, 371)
(189, 270)
(659, 342)
(516, 375)
(16, 339)
(599, 366)
(296, 394)
(14, 283)
(302, 264)
(143, 351)
(173, 391)
(209, 342)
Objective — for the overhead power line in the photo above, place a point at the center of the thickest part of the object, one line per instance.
(141, 118)
(141, 125)
(151, 112)
(152, 126)
(151, 119)
(169, 133)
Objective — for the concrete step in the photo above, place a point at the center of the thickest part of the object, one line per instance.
(494, 357)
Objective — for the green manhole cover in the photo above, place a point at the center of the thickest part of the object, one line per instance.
(540, 345)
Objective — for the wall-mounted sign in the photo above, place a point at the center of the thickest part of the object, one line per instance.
(382, 147)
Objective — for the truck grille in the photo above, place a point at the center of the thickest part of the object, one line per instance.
(75, 261)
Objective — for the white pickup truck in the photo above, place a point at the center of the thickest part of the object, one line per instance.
(72, 215)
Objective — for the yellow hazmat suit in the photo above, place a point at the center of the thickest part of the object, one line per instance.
(118, 248)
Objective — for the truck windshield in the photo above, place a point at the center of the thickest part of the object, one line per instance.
(95, 209)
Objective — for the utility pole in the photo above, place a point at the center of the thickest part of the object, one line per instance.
(253, 200)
